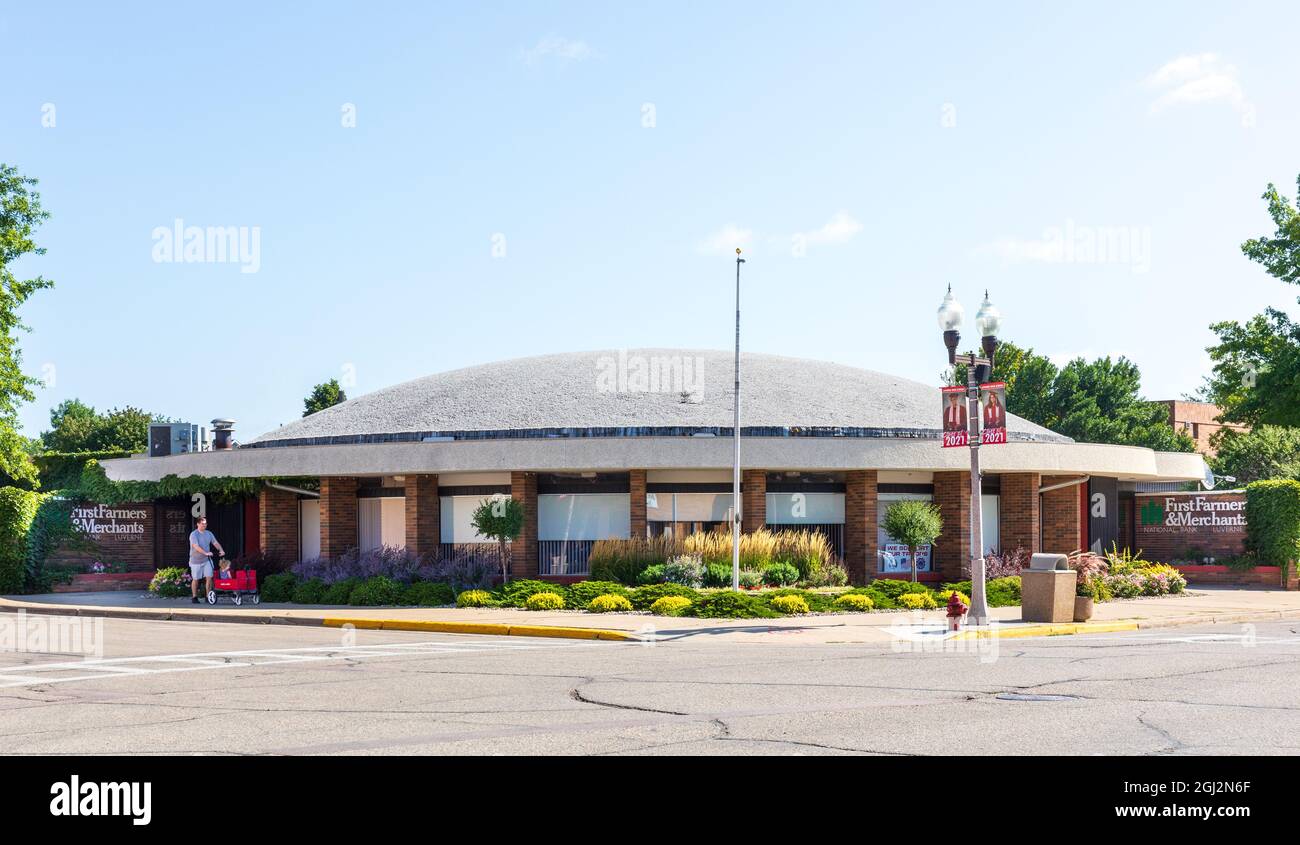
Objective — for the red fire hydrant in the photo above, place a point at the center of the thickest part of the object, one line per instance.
(956, 611)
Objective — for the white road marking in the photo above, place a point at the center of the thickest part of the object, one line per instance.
(116, 667)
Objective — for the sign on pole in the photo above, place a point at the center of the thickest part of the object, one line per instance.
(955, 432)
(993, 405)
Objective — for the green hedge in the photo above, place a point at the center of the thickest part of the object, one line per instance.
(17, 511)
(62, 470)
(1273, 521)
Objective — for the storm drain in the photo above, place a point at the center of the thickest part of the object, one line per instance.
(1026, 696)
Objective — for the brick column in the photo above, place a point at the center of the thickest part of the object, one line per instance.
(277, 524)
(523, 552)
(423, 515)
(860, 502)
(1060, 516)
(952, 495)
(636, 503)
(753, 500)
(338, 516)
(1019, 512)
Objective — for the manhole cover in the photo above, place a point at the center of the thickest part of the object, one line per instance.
(1024, 696)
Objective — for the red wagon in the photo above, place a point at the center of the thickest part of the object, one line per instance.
(242, 582)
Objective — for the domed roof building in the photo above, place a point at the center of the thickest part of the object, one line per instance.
(624, 443)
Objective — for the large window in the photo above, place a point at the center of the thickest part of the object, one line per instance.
(456, 520)
(583, 516)
(686, 513)
(891, 555)
(381, 522)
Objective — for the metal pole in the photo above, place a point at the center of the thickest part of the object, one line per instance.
(735, 434)
(979, 608)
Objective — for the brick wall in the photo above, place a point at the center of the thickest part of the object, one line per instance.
(277, 523)
(1019, 512)
(636, 503)
(952, 495)
(860, 504)
(423, 515)
(753, 500)
(523, 553)
(338, 516)
(122, 532)
(1061, 516)
(1200, 420)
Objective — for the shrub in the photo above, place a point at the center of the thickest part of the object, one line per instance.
(895, 587)
(278, 588)
(1125, 586)
(854, 602)
(624, 560)
(644, 598)
(428, 594)
(1002, 592)
(340, 592)
(544, 601)
(1273, 521)
(516, 593)
(580, 594)
(1006, 564)
(375, 591)
(309, 592)
(17, 512)
(461, 573)
(687, 570)
(917, 601)
(669, 605)
(391, 562)
(943, 595)
(781, 574)
(171, 582)
(475, 598)
(789, 604)
(652, 574)
(750, 579)
(730, 604)
(833, 575)
(609, 604)
(817, 602)
(717, 575)
(879, 600)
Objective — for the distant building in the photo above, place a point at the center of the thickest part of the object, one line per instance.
(1200, 420)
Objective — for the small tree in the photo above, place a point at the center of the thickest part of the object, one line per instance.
(500, 519)
(323, 396)
(913, 523)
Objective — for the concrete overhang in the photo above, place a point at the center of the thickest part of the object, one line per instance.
(557, 455)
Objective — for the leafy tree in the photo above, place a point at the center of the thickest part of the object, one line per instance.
(913, 523)
(77, 427)
(323, 396)
(1256, 375)
(500, 519)
(1091, 401)
(20, 215)
(1263, 453)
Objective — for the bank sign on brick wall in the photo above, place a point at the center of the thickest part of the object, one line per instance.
(1180, 525)
(122, 532)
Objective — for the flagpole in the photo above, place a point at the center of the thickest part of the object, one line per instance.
(735, 436)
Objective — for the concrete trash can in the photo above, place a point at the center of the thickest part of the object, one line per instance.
(1047, 589)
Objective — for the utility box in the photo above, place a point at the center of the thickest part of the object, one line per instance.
(1047, 589)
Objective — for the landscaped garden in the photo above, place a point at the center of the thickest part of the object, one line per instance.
(782, 574)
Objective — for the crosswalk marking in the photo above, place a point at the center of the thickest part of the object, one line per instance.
(33, 674)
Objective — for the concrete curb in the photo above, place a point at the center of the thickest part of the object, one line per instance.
(1072, 628)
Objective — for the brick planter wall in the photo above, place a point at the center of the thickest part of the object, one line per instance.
(423, 515)
(338, 516)
(277, 524)
(860, 503)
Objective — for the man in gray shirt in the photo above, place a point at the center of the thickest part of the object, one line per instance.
(201, 543)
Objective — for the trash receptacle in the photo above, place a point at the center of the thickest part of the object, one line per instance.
(1047, 589)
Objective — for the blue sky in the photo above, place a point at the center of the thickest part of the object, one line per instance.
(866, 156)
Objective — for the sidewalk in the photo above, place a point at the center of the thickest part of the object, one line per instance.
(1198, 607)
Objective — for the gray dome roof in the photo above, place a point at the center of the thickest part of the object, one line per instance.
(641, 392)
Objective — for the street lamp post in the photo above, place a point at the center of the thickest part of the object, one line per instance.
(735, 436)
(988, 321)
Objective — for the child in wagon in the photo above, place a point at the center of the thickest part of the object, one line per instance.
(225, 572)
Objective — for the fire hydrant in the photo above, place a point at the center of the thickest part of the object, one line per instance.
(956, 611)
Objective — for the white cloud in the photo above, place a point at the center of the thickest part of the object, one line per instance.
(839, 229)
(1195, 79)
(726, 240)
(560, 49)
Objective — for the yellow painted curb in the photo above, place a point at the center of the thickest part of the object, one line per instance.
(490, 628)
(1064, 629)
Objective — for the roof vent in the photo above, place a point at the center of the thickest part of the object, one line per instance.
(223, 434)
